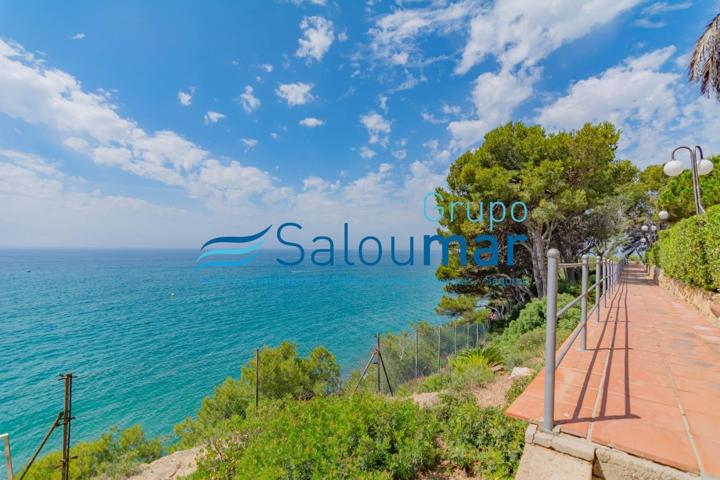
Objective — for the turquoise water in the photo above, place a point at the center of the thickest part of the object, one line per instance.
(143, 355)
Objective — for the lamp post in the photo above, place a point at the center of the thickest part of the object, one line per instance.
(700, 166)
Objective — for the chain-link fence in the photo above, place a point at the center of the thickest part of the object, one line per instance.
(415, 353)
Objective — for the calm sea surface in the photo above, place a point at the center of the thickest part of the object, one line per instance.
(149, 337)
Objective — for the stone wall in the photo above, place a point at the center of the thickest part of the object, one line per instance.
(703, 300)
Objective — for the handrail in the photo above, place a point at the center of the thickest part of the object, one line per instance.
(607, 276)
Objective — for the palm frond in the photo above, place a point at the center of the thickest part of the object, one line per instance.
(705, 60)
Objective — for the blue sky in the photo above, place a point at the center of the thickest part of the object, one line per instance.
(166, 123)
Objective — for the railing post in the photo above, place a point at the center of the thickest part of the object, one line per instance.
(584, 302)
(598, 285)
(605, 281)
(553, 256)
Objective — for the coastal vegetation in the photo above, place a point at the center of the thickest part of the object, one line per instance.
(309, 423)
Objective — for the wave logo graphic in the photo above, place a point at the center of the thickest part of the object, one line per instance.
(222, 255)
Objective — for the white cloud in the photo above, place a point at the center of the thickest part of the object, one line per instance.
(248, 100)
(78, 36)
(400, 58)
(378, 128)
(664, 7)
(266, 67)
(185, 98)
(32, 188)
(311, 122)
(383, 102)
(655, 109)
(366, 152)
(394, 36)
(317, 38)
(320, 3)
(519, 32)
(450, 109)
(400, 154)
(295, 93)
(213, 117)
(495, 97)
(249, 143)
(90, 124)
(649, 23)
(635, 88)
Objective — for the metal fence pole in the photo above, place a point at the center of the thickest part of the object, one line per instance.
(438, 356)
(377, 359)
(598, 275)
(8, 457)
(257, 377)
(67, 419)
(455, 337)
(417, 351)
(584, 302)
(553, 256)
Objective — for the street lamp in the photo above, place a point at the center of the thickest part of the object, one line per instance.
(674, 167)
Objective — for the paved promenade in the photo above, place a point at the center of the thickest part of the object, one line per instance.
(648, 384)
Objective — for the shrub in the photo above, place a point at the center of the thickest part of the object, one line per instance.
(689, 250)
(490, 355)
(114, 455)
(355, 437)
(518, 386)
(483, 441)
(283, 374)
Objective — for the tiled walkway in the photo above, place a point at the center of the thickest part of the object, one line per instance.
(648, 384)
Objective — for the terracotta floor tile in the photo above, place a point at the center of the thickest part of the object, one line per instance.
(709, 452)
(699, 402)
(649, 352)
(644, 439)
(704, 424)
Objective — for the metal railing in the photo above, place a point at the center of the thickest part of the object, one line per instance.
(607, 277)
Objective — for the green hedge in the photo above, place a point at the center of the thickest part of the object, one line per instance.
(690, 250)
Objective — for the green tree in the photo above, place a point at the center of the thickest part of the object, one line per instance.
(705, 60)
(677, 196)
(557, 175)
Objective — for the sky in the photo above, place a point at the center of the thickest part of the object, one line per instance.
(162, 124)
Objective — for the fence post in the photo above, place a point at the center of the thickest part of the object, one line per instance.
(598, 285)
(455, 338)
(417, 351)
(377, 359)
(584, 302)
(438, 359)
(67, 419)
(8, 457)
(553, 256)
(257, 377)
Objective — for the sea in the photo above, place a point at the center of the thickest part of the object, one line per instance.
(147, 335)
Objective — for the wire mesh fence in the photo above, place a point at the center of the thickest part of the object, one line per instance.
(415, 353)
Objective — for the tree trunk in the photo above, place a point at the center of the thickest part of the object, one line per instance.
(537, 254)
